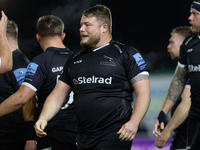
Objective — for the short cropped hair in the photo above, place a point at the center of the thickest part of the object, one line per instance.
(184, 31)
(50, 25)
(102, 13)
(12, 29)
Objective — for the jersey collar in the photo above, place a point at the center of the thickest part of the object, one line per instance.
(100, 47)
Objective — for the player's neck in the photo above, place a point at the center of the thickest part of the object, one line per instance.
(57, 44)
(104, 41)
(13, 43)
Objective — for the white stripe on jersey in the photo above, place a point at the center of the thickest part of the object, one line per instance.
(30, 86)
(188, 86)
(181, 65)
(144, 73)
(100, 47)
(188, 147)
(49, 148)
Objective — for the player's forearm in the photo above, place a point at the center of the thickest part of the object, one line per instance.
(167, 106)
(5, 51)
(29, 109)
(179, 116)
(6, 55)
(140, 108)
(10, 105)
(55, 101)
(16, 100)
(50, 108)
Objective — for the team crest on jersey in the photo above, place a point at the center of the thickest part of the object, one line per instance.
(31, 70)
(109, 61)
(140, 61)
(19, 75)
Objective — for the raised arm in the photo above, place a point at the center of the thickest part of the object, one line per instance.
(174, 92)
(141, 87)
(51, 106)
(5, 51)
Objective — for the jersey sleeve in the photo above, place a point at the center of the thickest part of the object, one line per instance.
(35, 75)
(64, 77)
(16, 76)
(188, 84)
(134, 63)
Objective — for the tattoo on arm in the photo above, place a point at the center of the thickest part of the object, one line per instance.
(177, 85)
(139, 77)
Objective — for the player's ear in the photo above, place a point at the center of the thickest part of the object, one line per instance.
(63, 36)
(38, 38)
(104, 27)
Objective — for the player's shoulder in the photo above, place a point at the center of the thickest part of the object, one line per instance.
(123, 48)
(19, 58)
(39, 57)
(191, 40)
(79, 53)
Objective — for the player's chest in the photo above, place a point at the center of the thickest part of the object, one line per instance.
(96, 64)
(193, 55)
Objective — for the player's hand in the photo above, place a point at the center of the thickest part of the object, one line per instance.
(159, 142)
(30, 145)
(128, 131)
(3, 24)
(39, 128)
(158, 127)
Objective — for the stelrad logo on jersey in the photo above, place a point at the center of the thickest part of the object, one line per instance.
(193, 68)
(93, 79)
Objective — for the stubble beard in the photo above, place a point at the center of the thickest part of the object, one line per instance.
(195, 30)
(91, 43)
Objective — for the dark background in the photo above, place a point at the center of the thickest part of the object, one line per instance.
(143, 24)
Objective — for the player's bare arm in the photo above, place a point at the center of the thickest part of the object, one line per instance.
(139, 77)
(51, 106)
(141, 87)
(179, 116)
(29, 109)
(174, 92)
(5, 51)
(178, 83)
(23, 95)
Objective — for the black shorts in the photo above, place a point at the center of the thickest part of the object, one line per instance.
(61, 137)
(180, 138)
(13, 146)
(104, 141)
(193, 134)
